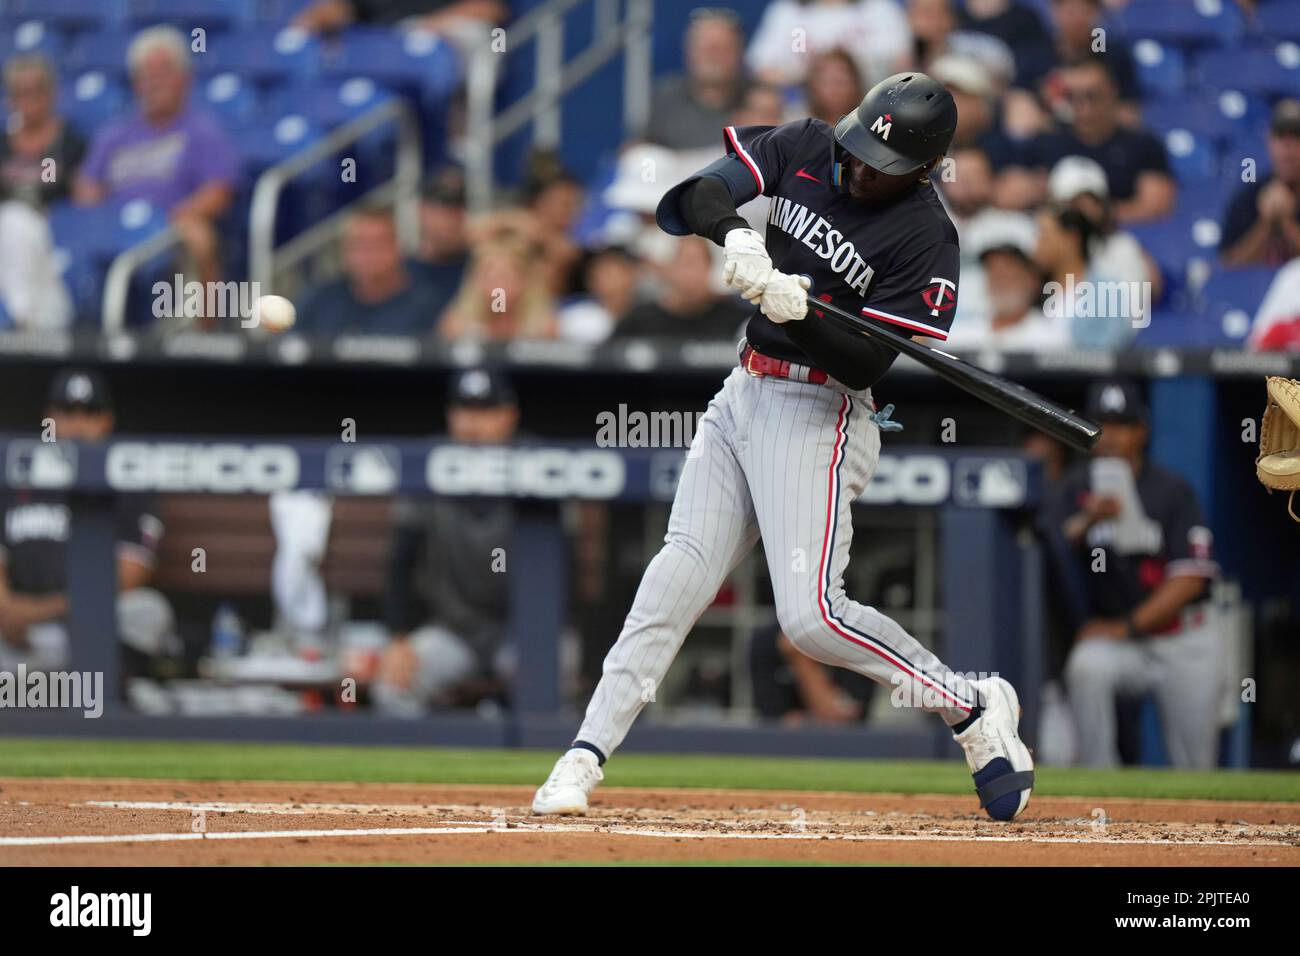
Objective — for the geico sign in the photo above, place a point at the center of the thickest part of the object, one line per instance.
(908, 480)
(176, 466)
(525, 472)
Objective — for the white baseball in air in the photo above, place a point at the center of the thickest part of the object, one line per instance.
(273, 312)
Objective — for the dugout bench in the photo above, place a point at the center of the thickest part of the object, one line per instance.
(990, 573)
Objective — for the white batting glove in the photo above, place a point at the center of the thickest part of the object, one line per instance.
(786, 298)
(747, 265)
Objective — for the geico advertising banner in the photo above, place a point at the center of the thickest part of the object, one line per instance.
(555, 471)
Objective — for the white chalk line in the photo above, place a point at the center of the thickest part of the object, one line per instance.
(451, 828)
(526, 829)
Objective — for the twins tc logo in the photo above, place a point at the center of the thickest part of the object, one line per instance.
(883, 125)
(940, 295)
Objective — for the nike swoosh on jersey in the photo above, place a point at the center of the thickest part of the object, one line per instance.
(804, 175)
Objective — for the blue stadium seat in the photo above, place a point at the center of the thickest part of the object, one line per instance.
(1202, 198)
(1270, 69)
(1223, 116)
(1191, 156)
(87, 238)
(71, 15)
(1180, 241)
(401, 59)
(330, 103)
(1187, 23)
(93, 98)
(103, 51)
(98, 233)
(1170, 327)
(1253, 146)
(232, 99)
(185, 14)
(275, 12)
(1162, 70)
(31, 36)
(1279, 20)
(262, 56)
(265, 142)
(1238, 288)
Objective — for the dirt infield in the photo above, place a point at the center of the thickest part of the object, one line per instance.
(72, 822)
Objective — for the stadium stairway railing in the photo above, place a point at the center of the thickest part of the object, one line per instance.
(268, 264)
(620, 27)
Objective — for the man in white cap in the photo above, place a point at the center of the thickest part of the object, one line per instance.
(1080, 183)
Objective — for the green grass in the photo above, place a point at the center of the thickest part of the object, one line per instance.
(28, 757)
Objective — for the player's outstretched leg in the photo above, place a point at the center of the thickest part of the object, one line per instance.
(711, 528)
(804, 476)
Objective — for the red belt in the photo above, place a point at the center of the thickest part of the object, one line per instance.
(758, 364)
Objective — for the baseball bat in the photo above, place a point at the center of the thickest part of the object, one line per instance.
(1003, 394)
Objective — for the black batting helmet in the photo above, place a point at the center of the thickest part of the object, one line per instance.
(902, 123)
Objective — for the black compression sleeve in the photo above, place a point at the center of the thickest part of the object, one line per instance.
(708, 209)
(849, 357)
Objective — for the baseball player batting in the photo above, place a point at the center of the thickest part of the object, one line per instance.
(793, 436)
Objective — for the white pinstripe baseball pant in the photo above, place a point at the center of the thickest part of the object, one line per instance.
(782, 459)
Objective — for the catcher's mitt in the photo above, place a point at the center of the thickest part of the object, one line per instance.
(1278, 464)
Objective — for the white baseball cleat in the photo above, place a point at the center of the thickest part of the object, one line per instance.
(997, 757)
(570, 784)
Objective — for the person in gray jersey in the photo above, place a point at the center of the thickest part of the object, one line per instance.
(447, 595)
(793, 437)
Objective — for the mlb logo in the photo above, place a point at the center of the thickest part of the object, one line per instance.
(990, 482)
(40, 465)
(363, 470)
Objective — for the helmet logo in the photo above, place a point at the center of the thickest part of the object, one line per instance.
(882, 125)
(940, 296)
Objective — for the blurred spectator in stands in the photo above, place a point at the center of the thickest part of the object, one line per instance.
(1014, 321)
(832, 86)
(1080, 183)
(966, 190)
(793, 31)
(792, 687)
(762, 105)
(1015, 24)
(1140, 545)
(379, 293)
(690, 307)
(978, 119)
(611, 276)
(1262, 222)
(34, 535)
(644, 172)
(444, 233)
(1137, 169)
(935, 34)
(448, 593)
(1277, 322)
(506, 292)
(40, 152)
(32, 294)
(172, 154)
(1078, 35)
(453, 18)
(1103, 311)
(689, 110)
(554, 197)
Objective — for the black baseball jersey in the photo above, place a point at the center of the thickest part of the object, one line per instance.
(34, 530)
(1175, 541)
(896, 262)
